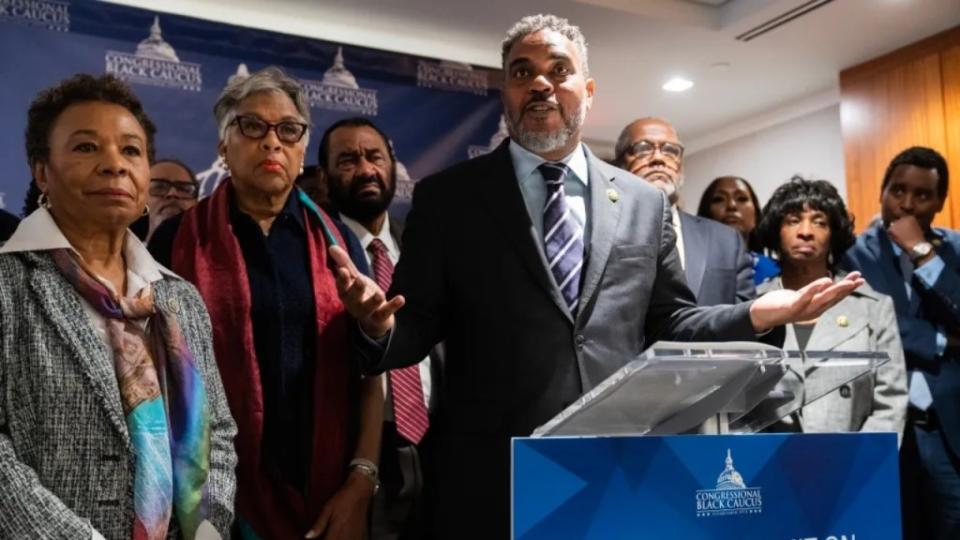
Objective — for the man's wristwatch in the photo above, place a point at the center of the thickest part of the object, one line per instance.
(920, 250)
(369, 470)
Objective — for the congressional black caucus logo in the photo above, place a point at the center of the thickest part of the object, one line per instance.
(339, 90)
(452, 76)
(48, 14)
(155, 63)
(731, 497)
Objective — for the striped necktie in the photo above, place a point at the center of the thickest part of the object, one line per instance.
(562, 235)
(409, 409)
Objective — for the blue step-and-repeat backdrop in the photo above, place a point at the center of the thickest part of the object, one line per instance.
(436, 112)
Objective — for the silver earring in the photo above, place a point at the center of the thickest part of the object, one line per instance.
(43, 202)
(301, 169)
(146, 210)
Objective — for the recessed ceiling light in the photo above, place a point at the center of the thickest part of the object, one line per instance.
(678, 84)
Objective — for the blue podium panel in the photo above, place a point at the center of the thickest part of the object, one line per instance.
(840, 486)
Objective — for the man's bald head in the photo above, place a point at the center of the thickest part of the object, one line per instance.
(651, 149)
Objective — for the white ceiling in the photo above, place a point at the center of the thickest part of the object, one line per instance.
(635, 45)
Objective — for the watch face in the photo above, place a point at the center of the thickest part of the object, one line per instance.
(921, 250)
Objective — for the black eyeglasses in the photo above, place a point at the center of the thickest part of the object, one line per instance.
(646, 148)
(160, 187)
(255, 128)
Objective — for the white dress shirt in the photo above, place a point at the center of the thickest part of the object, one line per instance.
(675, 214)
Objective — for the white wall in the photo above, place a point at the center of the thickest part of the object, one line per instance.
(810, 145)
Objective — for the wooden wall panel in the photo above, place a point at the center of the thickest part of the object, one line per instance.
(906, 98)
(950, 69)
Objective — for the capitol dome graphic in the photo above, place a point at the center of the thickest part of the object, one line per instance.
(155, 47)
(242, 73)
(338, 75)
(730, 478)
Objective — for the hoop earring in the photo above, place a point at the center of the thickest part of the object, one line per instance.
(43, 201)
(146, 210)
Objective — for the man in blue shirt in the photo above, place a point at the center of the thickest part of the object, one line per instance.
(904, 256)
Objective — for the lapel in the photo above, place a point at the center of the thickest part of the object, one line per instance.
(501, 193)
(604, 217)
(695, 247)
(62, 307)
(828, 334)
(879, 245)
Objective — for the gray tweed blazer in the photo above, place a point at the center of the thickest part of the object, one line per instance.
(66, 461)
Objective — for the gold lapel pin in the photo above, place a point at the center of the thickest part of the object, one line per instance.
(843, 321)
(613, 195)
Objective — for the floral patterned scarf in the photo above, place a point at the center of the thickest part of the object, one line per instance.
(164, 400)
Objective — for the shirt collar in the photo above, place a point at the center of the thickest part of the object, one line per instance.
(39, 232)
(366, 236)
(291, 207)
(526, 162)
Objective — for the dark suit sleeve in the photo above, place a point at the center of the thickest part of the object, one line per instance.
(354, 248)
(672, 313)
(746, 288)
(918, 336)
(161, 242)
(420, 278)
(945, 294)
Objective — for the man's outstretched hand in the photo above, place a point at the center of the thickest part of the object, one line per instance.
(786, 306)
(363, 298)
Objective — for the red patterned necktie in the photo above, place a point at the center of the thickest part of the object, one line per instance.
(409, 410)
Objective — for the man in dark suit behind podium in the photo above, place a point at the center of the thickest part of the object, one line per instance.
(718, 268)
(545, 270)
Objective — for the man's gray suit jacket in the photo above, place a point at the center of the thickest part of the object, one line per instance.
(473, 275)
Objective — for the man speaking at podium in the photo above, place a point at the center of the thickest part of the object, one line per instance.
(545, 270)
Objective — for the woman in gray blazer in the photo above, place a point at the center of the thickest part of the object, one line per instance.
(806, 225)
(113, 420)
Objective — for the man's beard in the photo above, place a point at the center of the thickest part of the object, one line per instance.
(347, 201)
(541, 142)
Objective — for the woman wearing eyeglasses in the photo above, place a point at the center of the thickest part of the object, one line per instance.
(257, 249)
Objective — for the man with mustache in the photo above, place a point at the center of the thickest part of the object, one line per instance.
(544, 270)
(714, 259)
(360, 167)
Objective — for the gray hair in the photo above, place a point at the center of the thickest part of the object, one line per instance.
(535, 23)
(270, 79)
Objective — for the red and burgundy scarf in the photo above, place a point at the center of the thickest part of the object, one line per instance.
(207, 253)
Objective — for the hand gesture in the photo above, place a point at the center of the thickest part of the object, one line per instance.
(906, 232)
(786, 306)
(362, 297)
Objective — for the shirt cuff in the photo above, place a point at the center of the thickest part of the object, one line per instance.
(96, 535)
(381, 341)
(941, 342)
(930, 272)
